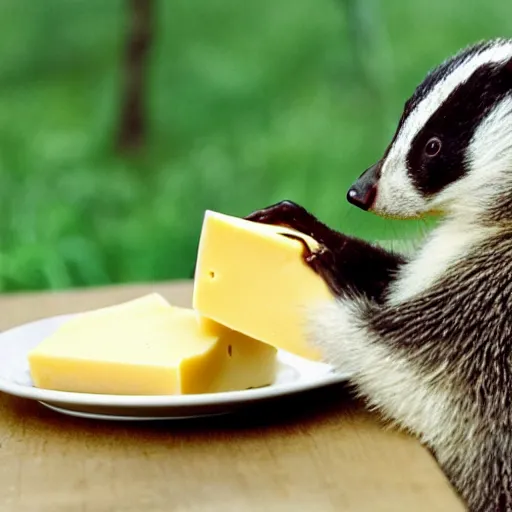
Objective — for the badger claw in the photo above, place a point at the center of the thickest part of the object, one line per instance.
(321, 261)
(308, 255)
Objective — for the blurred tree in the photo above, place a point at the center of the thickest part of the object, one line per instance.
(358, 36)
(132, 121)
(372, 60)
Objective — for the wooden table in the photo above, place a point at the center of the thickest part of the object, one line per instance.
(320, 449)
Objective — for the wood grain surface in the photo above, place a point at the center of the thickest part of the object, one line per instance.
(317, 450)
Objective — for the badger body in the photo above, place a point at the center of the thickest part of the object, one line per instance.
(428, 337)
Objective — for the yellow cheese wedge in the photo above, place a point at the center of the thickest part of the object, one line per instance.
(148, 347)
(252, 279)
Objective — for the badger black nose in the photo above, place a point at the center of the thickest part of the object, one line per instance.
(361, 197)
(362, 193)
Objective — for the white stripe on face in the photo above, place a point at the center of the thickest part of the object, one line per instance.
(396, 193)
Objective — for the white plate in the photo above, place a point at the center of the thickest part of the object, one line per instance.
(295, 374)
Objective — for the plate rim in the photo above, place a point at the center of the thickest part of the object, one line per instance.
(146, 401)
(127, 418)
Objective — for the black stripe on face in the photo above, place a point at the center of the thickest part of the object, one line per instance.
(454, 124)
(435, 76)
(443, 70)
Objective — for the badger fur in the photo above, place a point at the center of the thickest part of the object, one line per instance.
(428, 337)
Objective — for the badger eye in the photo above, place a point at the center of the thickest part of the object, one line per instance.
(433, 147)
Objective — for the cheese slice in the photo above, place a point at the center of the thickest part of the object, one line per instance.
(252, 279)
(148, 347)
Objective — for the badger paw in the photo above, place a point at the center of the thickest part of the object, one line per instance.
(289, 214)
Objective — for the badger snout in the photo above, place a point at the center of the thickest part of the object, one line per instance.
(363, 191)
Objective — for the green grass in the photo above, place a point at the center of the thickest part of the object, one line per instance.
(248, 103)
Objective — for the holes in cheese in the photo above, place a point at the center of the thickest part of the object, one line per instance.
(148, 347)
(262, 287)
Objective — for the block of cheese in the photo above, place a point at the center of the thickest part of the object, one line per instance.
(252, 279)
(148, 347)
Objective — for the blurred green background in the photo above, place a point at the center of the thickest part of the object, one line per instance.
(243, 103)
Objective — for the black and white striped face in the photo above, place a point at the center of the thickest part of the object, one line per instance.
(453, 145)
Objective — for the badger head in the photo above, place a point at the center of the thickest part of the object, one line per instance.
(452, 150)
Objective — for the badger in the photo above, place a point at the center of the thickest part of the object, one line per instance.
(427, 336)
